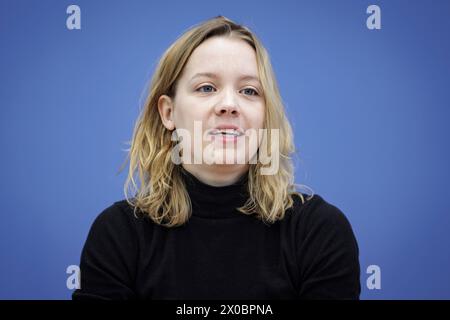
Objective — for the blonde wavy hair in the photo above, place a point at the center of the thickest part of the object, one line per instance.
(160, 192)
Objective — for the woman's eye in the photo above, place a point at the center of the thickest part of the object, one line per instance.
(252, 90)
(207, 86)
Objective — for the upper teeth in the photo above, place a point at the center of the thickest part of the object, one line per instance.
(228, 131)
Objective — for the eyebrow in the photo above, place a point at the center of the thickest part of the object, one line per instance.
(215, 76)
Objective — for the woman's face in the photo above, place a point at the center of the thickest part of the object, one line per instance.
(219, 90)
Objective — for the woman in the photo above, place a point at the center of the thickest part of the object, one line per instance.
(200, 223)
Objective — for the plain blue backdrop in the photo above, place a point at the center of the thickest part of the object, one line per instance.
(370, 110)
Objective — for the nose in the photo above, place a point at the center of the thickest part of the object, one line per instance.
(227, 105)
(227, 109)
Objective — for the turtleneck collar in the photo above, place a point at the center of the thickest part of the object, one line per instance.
(215, 202)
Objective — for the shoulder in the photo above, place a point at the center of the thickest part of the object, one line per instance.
(326, 251)
(117, 217)
(117, 211)
(316, 215)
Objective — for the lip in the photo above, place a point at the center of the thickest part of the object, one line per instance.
(233, 127)
(225, 138)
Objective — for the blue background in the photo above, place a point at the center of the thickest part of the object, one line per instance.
(370, 110)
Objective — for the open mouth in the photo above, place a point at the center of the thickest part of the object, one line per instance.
(226, 132)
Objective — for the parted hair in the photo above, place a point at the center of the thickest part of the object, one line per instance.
(154, 184)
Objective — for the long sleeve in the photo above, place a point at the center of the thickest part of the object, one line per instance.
(108, 259)
(329, 256)
(221, 254)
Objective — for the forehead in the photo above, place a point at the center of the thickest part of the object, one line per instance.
(223, 56)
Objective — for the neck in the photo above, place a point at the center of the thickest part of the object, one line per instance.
(215, 202)
(217, 175)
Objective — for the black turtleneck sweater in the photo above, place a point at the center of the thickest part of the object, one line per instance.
(220, 253)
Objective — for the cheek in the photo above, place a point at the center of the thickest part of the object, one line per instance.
(186, 115)
(256, 117)
(195, 123)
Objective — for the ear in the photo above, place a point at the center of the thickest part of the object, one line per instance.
(165, 109)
